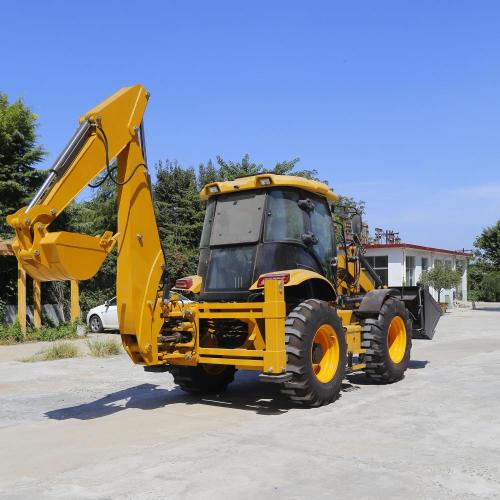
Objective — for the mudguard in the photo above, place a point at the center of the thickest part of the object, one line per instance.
(373, 300)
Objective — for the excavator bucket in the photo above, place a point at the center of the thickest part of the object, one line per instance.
(64, 256)
(424, 310)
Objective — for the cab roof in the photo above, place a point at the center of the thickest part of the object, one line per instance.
(265, 181)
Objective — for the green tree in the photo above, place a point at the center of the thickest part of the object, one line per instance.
(441, 277)
(229, 170)
(19, 179)
(19, 152)
(207, 173)
(345, 207)
(484, 270)
(179, 215)
(488, 246)
(490, 287)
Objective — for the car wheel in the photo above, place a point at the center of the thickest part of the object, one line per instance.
(95, 324)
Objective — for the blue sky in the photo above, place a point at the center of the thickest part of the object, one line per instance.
(394, 102)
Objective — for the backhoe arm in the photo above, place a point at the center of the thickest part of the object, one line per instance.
(111, 132)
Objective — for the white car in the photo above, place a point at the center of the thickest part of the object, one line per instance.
(105, 316)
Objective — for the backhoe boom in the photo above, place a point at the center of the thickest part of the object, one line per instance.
(110, 131)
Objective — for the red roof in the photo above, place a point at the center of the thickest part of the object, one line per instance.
(420, 247)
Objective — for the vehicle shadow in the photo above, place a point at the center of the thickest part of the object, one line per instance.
(354, 380)
(416, 364)
(246, 393)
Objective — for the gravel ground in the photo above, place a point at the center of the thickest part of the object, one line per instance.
(103, 428)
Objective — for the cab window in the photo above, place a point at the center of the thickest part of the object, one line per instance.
(321, 226)
(284, 218)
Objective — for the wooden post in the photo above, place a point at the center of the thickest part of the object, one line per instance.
(75, 301)
(21, 298)
(37, 303)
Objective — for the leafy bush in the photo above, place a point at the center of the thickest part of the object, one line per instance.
(46, 333)
(483, 271)
(104, 348)
(11, 334)
(488, 288)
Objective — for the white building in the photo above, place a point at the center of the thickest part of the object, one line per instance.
(402, 264)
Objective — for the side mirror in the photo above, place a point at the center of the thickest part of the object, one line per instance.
(106, 304)
(356, 225)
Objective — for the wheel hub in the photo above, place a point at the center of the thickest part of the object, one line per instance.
(396, 339)
(325, 353)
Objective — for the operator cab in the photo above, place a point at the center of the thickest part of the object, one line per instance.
(251, 232)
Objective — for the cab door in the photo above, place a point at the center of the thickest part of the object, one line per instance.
(322, 228)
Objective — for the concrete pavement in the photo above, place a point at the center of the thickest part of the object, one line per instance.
(103, 428)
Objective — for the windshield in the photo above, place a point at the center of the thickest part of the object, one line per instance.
(237, 218)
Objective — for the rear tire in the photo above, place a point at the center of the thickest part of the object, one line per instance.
(316, 354)
(95, 324)
(203, 378)
(387, 340)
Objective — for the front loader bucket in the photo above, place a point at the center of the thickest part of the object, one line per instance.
(63, 256)
(432, 313)
(424, 310)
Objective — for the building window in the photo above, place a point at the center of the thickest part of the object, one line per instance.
(438, 262)
(447, 263)
(380, 265)
(410, 270)
(425, 264)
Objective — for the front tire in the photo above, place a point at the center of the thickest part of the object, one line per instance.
(95, 324)
(387, 340)
(316, 354)
(203, 378)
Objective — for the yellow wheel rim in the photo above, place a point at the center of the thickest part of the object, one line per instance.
(325, 353)
(396, 339)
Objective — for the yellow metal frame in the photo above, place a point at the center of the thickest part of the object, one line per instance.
(363, 284)
(264, 349)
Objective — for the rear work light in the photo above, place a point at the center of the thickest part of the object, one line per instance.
(184, 283)
(284, 276)
(265, 181)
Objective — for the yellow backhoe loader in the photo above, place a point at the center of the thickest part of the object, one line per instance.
(274, 292)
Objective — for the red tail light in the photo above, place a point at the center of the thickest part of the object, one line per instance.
(184, 283)
(284, 276)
